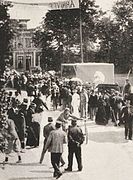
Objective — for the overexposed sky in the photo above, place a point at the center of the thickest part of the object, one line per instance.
(35, 13)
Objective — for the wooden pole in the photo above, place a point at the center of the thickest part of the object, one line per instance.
(81, 34)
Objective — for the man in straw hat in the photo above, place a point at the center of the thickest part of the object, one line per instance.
(55, 143)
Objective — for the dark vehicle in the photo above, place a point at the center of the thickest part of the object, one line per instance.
(108, 87)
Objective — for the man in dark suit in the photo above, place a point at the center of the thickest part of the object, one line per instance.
(75, 139)
(127, 116)
(13, 111)
(46, 131)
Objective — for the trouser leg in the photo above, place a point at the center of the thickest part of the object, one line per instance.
(43, 152)
(55, 160)
(78, 157)
(70, 157)
(22, 144)
(91, 113)
(126, 131)
(130, 132)
(62, 160)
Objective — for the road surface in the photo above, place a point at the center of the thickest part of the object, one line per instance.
(107, 156)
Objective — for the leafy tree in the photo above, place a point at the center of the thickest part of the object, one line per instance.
(116, 36)
(124, 19)
(5, 34)
(59, 36)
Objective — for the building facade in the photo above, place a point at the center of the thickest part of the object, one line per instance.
(25, 55)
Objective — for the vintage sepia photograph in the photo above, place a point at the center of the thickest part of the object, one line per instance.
(66, 89)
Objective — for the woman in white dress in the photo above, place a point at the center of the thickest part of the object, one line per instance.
(75, 103)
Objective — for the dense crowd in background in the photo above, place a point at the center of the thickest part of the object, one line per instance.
(83, 100)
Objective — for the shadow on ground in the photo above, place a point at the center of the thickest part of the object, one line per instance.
(31, 178)
(23, 164)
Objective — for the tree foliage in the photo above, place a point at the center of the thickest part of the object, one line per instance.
(59, 36)
(5, 34)
(116, 36)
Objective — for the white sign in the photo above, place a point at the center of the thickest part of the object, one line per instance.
(67, 4)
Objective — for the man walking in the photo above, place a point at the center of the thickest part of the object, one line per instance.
(46, 131)
(75, 139)
(10, 135)
(55, 143)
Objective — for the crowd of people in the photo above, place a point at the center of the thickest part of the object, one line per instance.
(20, 116)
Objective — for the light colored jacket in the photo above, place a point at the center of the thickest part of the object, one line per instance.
(56, 140)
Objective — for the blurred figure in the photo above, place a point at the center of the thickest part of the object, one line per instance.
(33, 128)
(127, 89)
(118, 103)
(30, 90)
(101, 117)
(127, 116)
(24, 81)
(39, 103)
(46, 131)
(93, 104)
(64, 117)
(8, 132)
(21, 126)
(83, 103)
(55, 96)
(75, 103)
(13, 112)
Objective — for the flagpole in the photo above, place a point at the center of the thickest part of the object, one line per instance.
(81, 34)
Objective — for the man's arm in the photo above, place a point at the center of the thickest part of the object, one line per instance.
(74, 117)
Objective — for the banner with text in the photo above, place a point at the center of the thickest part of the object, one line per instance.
(68, 4)
(55, 5)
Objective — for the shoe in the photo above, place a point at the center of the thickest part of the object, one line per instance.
(19, 161)
(22, 151)
(68, 169)
(80, 169)
(58, 175)
(62, 164)
(55, 174)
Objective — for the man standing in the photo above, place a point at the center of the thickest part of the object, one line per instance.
(127, 115)
(83, 103)
(75, 139)
(127, 89)
(55, 143)
(93, 104)
(46, 131)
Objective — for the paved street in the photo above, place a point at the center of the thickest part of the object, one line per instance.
(107, 156)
